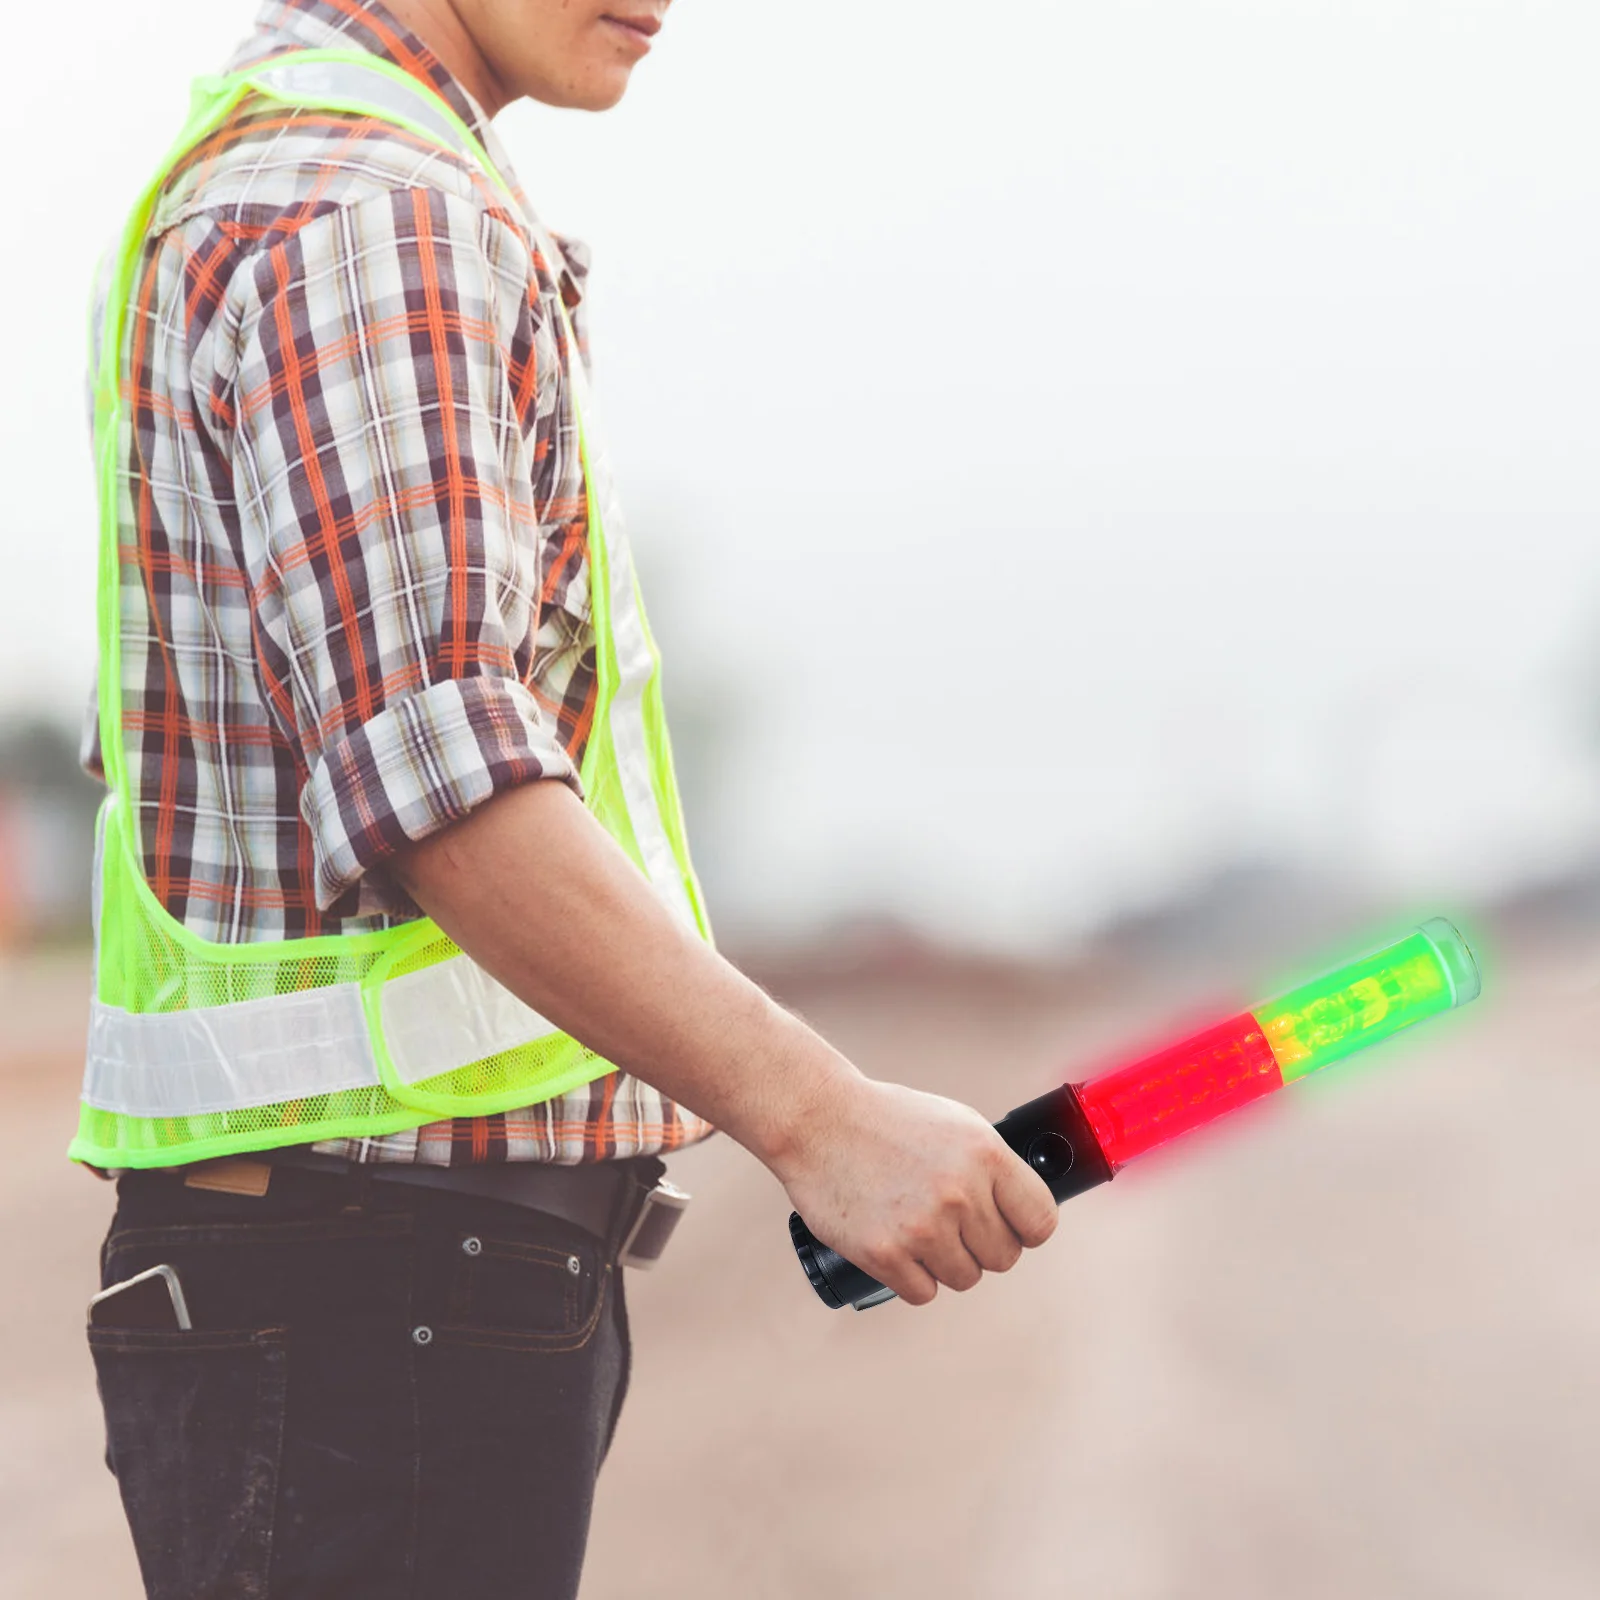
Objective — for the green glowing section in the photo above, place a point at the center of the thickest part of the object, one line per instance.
(1427, 972)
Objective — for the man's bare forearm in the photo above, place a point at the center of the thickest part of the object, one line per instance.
(545, 900)
(919, 1190)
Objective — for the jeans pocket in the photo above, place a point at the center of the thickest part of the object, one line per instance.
(194, 1432)
(525, 1294)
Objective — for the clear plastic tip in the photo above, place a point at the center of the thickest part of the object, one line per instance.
(1455, 954)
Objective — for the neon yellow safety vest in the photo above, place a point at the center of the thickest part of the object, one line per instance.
(199, 1049)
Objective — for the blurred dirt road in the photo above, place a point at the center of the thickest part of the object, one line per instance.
(1347, 1349)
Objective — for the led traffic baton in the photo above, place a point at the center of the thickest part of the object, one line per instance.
(1083, 1134)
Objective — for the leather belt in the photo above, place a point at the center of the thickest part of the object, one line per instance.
(604, 1198)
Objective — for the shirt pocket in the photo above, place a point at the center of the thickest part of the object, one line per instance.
(521, 1294)
(194, 1435)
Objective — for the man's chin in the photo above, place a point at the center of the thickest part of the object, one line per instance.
(599, 93)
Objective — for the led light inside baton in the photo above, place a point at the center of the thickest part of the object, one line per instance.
(1082, 1134)
(1138, 1107)
(1347, 1010)
(1135, 1108)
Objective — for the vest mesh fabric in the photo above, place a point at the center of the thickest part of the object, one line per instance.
(149, 965)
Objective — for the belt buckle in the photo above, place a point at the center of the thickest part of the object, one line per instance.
(658, 1216)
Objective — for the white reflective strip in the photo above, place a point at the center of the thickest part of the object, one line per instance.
(292, 1046)
(636, 662)
(227, 1058)
(340, 80)
(635, 667)
(450, 1014)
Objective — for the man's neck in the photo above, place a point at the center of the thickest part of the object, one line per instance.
(438, 24)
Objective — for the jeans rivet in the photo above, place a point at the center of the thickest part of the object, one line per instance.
(422, 1336)
(574, 1265)
(472, 1247)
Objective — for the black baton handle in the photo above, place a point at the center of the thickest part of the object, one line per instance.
(1051, 1134)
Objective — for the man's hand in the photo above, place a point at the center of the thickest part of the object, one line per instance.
(916, 1189)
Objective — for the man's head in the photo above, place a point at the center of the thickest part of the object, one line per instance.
(576, 53)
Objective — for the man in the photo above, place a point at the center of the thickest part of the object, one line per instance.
(373, 658)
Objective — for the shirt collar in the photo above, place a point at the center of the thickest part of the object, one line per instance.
(360, 25)
(368, 25)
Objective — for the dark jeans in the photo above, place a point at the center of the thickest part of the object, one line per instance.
(388, 1391)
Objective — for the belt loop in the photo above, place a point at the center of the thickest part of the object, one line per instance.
(359, 1195)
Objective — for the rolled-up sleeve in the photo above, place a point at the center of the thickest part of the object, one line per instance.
(388, 431)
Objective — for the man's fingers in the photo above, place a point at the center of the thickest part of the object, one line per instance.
(1026, 1203)
(911, 1281)
(951, 1262)
(897, 1267)
(991, 1240)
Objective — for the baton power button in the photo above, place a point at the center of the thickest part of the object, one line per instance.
(1051, 1156)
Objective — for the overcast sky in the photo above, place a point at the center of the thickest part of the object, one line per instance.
(1073, 444)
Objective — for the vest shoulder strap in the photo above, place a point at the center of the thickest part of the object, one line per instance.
(362, 84)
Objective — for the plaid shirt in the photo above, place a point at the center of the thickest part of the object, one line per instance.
(355, 596)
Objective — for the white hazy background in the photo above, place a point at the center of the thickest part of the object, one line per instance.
(1072, 447)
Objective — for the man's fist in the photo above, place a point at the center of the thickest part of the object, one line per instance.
(915, 1189)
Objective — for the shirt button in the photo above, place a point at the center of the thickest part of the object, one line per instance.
(574, 1265)
(422, 1336)
(472, 1247)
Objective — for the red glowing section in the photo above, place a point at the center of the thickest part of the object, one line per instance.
(1135, 1108)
